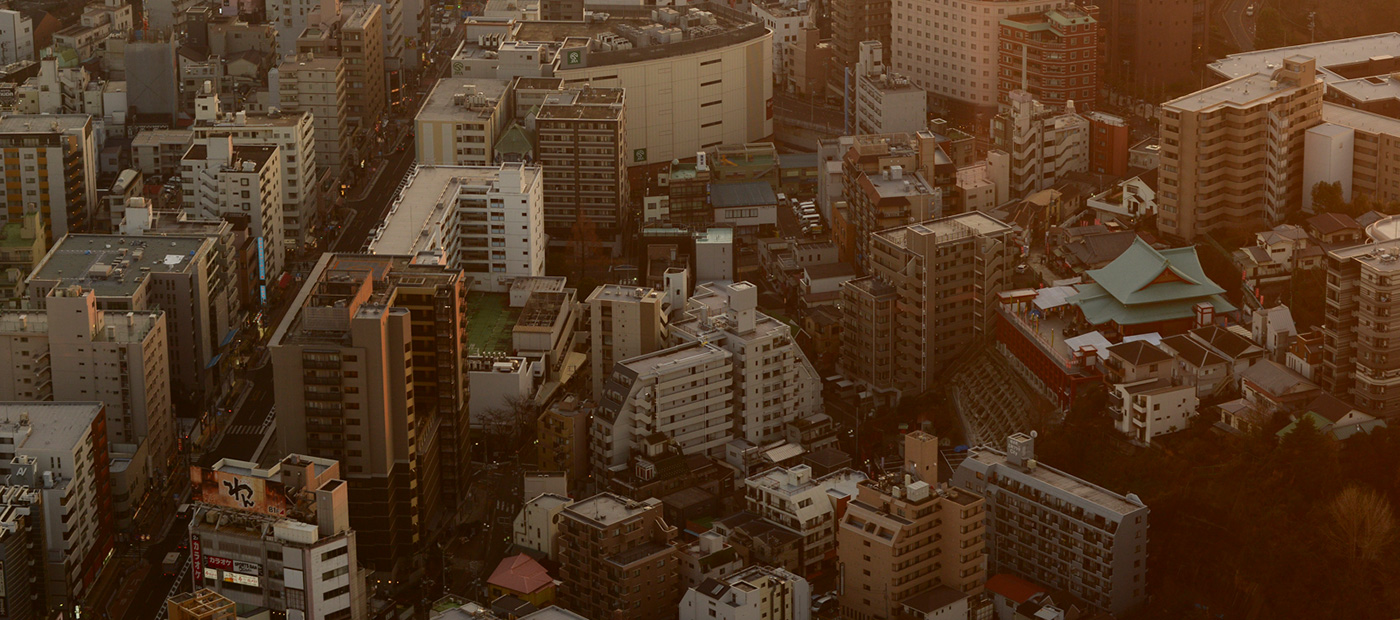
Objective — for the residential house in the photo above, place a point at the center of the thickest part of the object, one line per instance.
(1335, 229)
(1129, 201)
(1146, 397)
(1274, 388)
(1305, 354)
(522, 577)
(1274, 328)
(1335, 418)
(1196, 365)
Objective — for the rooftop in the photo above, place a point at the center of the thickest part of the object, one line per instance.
(462, 99)
(679, 356)
(605, 509)
(1241, 92)
(951, 228)
(1333, 57)
(425, 213)
(1049, 477)
(43, 123)
(50, 426)
(1145, 285)
(583, 103)
(118, 265)
(1360, 120)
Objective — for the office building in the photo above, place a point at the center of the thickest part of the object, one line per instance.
(624, 322)
(1051, 528)
(810, 508)
(931, 295)
(286, 546)
(367, 373)
(292, 17)
(59, 451)
(583, 151)
(617, 560)
(203, 604)
(22, 550)
(957, 64)
(242, 184)
(16, 37)
(317, 85)
(1154, 46)
(189, 278)
(62, 152)
(886, 102)
(724, 100)
(304, 182)
(1259, 123)
(1052, 55)
(460, 121)
(356, 36)
(853, 22)
(683, 394)
(1035, 147)
(903, 534)
(73, 351)
(755, 592)
(485, 220)
(773, 383)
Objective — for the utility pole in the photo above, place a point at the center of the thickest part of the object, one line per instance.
(1312, 26)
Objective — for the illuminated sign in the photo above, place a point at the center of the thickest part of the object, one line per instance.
(230, 490)
(195, 560)
(225, 564)
(242, 580)
(262, 271)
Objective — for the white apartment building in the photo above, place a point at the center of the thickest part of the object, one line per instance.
(756, 593)
(1054, 529)
(460, 121)
(239, 183)
(16, 37)
(294, 134)
(791, 498)
(786, 20)
(624, 322)
(53, 448)
(1034, 147)
(53, 159)
(485, 220)
(537, 525)
(683, 393)
(99, 22)
(950, 48)
(292, 551)
(192, 278)
(886, 102)
(317, 85)
(774, 383)
(74, 351)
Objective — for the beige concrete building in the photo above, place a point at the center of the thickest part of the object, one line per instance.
(50, 161)
(1360, 359)
(241, 184)
(1232, 154)
(903, 535)
(886, 102)
(73, 351)
(460, 121)
(755, 592)
(1035, 147)
(809, 507)
(624, 322)
(888, 181)
(364, 376)
(932, 293)
(583, 149)
(357, 37)
(320, 86)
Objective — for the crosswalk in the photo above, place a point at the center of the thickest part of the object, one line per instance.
(246, 429)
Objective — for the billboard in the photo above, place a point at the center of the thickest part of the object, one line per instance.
(230, 490)
(195, 562)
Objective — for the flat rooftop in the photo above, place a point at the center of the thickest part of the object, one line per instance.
(1051, 478)
(679, 356)
(1330, 56)
(441, 104)
(606, 509)
(953, 227)
(618, 292)
(425, 212)
(583, 103)
(55, 426)
(117, 265)
(1360, 120)
(43, 123)
(1241, 92)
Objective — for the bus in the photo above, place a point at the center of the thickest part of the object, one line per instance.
(171, 564)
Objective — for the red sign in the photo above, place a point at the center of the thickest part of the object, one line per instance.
(196, 569)
(214, 561)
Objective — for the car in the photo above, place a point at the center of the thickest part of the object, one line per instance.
(1249, 11)
(1021, 268)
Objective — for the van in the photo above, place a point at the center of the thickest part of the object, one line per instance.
(810, 211)
(782, 200)
(811, 219)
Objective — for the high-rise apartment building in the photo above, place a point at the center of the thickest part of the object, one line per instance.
(1035, 147)
(368, 372)
(903, 535)
(755, 592)
(285, 545)
(773, 383)
(854, 21)
(1232, 154)
(583, 150)
(885, 102)
(59, 450)
(460, 121)
(292, 17)
(51, 160)
(1154, 46)
(189, 278)
(892, 180)
(485, 220)
(1052, 528)
(318, 85)
(952, 49)
(684, 393)
(357, 37)
(624, 322)
(22, 549)
(73, 351)
(1052, 55)
(16, 37)
(1359, 359)
(294, 134)
(617, 560)
(809, 507)
(241, 184)
(931, 294)
(562, 430)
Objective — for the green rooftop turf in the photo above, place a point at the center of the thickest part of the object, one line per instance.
(491, 320)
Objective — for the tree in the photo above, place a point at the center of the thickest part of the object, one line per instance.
(1328, 197)
(510, 427)
(1361, 523)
